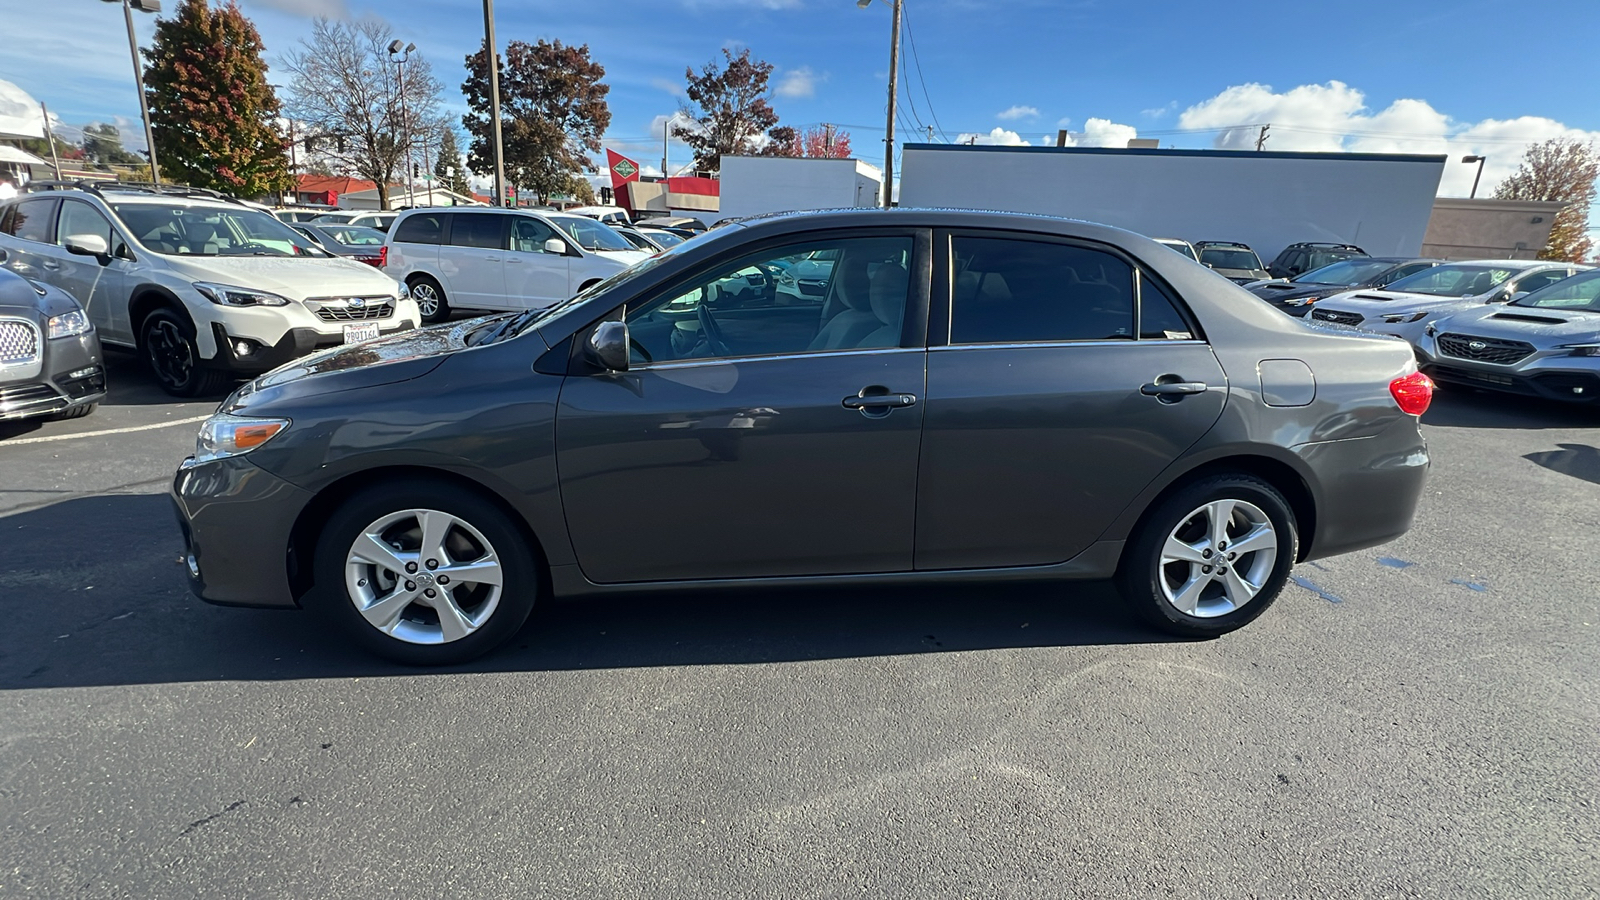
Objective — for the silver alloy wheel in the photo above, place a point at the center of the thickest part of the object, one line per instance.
(1217, 558)
(423, 576)
(427, 298)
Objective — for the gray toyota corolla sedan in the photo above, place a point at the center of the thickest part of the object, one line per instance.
(970, 396)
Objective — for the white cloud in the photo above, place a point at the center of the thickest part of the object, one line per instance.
(801, 82)
(1334, 117)
(1160, 112)
(1018, 112)
(328, 9)
(998, 137)
(675, 88)
(1101, 133)
(19, 112)
(1064, 123)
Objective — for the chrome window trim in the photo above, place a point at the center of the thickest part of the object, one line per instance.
(712, 360)
(1030, 345)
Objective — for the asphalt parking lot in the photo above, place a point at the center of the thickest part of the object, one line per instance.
(1415, 720)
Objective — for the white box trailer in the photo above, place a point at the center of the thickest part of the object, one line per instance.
(1380, 202)
(756, 185)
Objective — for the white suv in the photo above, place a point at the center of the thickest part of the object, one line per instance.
(206, 289)
(485, 258)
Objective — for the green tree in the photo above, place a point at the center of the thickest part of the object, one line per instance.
(213, 112)
(734, 117)
(450, 170)
(102, 144)
(1561, 169)
(552, 113)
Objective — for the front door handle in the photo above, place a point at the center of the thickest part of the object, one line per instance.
(1174, 389)
(880, 401)
(51, 264)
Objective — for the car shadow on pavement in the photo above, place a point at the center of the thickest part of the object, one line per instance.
(1578, 460)
(1460, 407)
(95, 595)
(129, 382)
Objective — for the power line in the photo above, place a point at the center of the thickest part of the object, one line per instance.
(916, 62)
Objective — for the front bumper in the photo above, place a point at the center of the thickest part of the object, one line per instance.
(295, 343)
(236, 520)
(69, 373)
(1561, 378)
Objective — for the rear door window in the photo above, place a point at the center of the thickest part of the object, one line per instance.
(427, 228)
(33, 220)
(485, 231)
(1025, 291)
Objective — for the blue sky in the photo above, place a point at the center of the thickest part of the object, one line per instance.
(1359, 75)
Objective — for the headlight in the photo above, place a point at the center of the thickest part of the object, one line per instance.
(223, 435)
(229, 295)
(66, 324)
(405, 292)
(1403, 318)
(1582, 349)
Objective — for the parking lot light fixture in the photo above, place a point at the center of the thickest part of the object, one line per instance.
(1480, 160)
(149, 6)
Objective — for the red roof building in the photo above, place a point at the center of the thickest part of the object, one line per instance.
(327, 189)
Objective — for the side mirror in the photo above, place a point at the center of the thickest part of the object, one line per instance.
(89, 245)
(608, 346)
(556, 246)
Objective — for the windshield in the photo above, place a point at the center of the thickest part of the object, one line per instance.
(1230, 259)
(354, 235)
(212, 231)
(592, 235)
(1349, 273)
(1453, 281)
(665, 238)
(1580, 293)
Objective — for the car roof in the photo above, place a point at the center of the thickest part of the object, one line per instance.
(1506, 263)
(1234, 244)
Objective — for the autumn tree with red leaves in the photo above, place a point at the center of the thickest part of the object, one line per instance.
(734, 118)
(213, 112)
(1561, 169)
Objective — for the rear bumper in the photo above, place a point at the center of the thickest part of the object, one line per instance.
(236, 520)
(1369, 487)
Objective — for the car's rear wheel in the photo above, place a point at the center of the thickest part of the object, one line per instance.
(1210, 557)
(424, 573)
(430, 299)
(166, 340)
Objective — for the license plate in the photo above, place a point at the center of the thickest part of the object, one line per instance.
(355, 334)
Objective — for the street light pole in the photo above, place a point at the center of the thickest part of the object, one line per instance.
(894, 81)
(1480, 160)
(494, 103)
(401, 56)
(149, 6)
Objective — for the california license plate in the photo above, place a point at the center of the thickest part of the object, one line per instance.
(355, 334)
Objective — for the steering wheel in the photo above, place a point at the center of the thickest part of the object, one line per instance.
(712, 331)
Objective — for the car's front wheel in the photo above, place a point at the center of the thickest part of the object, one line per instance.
(430, 299)
(167, 341)
(1210, 557)
(424, 573)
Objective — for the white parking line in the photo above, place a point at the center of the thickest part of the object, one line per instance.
(68, 437)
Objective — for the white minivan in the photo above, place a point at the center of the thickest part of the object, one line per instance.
(495, 259)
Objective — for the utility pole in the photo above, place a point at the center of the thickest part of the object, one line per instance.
(494, 103)
(55, 161)
(930, 134)
(827, 140)
(1261, 139)
(894, 82)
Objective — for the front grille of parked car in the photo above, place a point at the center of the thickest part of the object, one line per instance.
(1337, 315)
(24, 399)
(19, 342)
(1484, 349)
(337, 309)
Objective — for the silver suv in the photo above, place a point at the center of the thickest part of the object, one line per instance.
(206, 288)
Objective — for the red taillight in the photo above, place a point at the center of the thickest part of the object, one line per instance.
(383, 256)
(1413, 392)
(371, 260)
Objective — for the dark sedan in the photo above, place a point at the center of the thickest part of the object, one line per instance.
(1296, 295)
(971, 397)
(50, 361)
(358, 242)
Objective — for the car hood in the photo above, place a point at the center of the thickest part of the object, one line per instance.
(1390, 302)
(1525, 324)
(294, 277)
(387, 360)
(1236, 274)
(1289, 290)
(626, 257)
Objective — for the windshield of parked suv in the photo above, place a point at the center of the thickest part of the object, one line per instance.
(354, 235)
(1179, 246)
(198, 230)
(1580, 293)
(1349, 273)
(591, 235)
(665, 238)
(1219, 258)
(1453, 281)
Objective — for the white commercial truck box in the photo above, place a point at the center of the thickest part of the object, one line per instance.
(757, 185)
(1378, 201)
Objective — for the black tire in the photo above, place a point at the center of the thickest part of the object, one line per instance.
(429, 296)
(1145, 582)
(166, 341)
(337, 576)
(77, 412)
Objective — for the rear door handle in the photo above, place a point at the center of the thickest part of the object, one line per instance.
(1174, 388)
(880, 401)
(51, 264)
